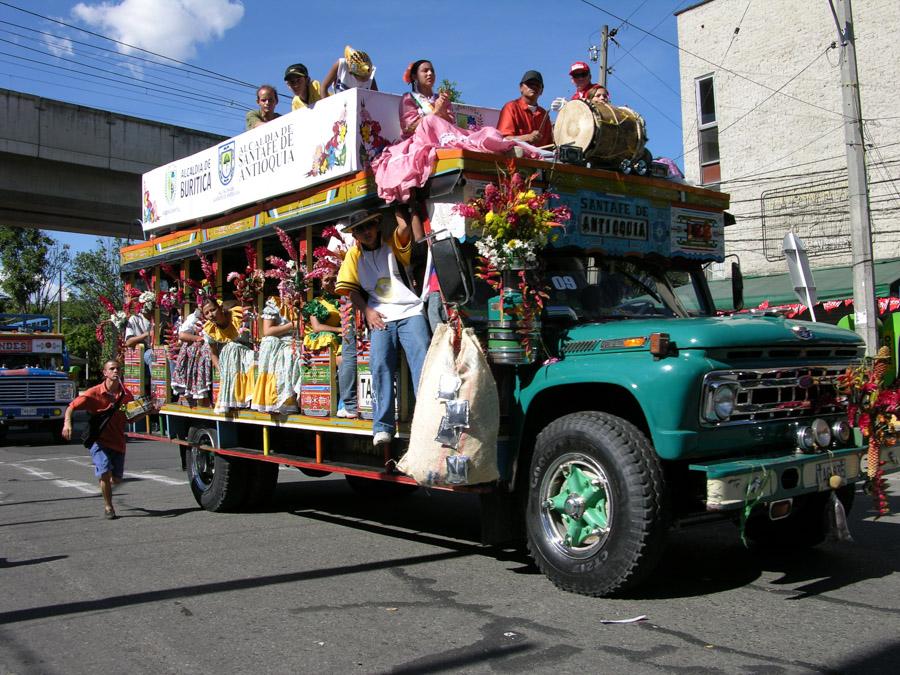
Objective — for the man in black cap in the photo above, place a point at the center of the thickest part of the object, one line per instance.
(523, 119)
(306, 91)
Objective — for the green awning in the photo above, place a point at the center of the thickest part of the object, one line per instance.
(832, 283)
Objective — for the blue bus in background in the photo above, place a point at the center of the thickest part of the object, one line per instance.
(35, 388)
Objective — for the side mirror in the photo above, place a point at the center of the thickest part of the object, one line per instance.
(453, 273)
(737, 286)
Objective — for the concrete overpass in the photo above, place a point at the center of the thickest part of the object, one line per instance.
(77, 169)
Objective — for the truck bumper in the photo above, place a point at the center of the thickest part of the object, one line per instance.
(730, 483)
(16, 414)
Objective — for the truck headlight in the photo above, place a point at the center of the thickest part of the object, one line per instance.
(720, 401)
(841, 431)
(821, 433)
(65, 391)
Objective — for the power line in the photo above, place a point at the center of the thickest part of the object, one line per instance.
(736, 31)
(150, 62)
(767, 98)
(705, 60)
(124, 44)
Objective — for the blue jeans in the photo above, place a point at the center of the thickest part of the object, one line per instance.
(412, 334)
(347, 369)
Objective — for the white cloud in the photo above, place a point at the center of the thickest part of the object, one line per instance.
(170, 27)
(58, 46)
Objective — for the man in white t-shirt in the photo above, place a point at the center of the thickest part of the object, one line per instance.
(392, 311)
(139, 331)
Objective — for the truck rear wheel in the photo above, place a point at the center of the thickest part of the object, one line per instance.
(218, 483)
(595, 519)
(804, 528)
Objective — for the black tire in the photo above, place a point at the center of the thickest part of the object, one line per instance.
(218, 482)
(806, 527)
(617, 506)
(379, 489)
(261, 482)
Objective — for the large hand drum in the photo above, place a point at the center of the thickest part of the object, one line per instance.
(606, 133)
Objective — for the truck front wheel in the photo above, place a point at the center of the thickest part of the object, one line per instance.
(595, 516)
(218, 483)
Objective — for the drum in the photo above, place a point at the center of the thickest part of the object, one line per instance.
(607, 134)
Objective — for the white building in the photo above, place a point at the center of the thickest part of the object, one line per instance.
(762, 119)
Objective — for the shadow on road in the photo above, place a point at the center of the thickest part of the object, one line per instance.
(5, 563)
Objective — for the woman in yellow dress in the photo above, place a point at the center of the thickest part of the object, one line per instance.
(231, 354)
(278, 366)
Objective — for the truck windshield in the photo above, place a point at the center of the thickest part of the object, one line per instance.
(45, 361)
(603, 289)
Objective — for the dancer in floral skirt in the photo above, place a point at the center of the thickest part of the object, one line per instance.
(230, 354)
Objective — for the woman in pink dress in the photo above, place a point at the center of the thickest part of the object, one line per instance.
(426, 121)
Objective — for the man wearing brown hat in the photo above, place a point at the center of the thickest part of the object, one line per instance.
(523, 119)
(372, 274)
(306, 91)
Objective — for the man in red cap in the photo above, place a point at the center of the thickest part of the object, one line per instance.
(580, 72)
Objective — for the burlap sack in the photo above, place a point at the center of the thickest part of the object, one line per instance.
(474, 460)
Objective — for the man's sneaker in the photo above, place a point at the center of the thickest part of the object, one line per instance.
(381, 438)
(347, 414)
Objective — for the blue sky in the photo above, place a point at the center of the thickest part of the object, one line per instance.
(483, 46)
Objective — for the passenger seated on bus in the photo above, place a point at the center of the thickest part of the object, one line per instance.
(230, 353)
(139, 331)
(353, 71)
(192, 375)
(266, 99)
(393, 312)
(306, 91)
(278, 364)
(523, 119)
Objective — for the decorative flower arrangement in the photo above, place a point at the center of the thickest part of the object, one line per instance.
(516, 223)
(249, 285)
(872, 407)
(117, 320)
(290, 273)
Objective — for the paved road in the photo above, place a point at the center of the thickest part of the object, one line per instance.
(326, 581)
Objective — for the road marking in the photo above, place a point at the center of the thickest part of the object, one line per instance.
(86, 488)
(156, 477)
(43, 459)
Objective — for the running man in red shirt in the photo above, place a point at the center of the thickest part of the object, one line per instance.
(108, 451)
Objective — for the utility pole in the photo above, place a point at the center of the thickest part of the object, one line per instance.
(59, 304)
(858, 188)
(604, 48)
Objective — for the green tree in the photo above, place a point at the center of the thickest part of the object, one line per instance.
(93, 273)
(26, 255)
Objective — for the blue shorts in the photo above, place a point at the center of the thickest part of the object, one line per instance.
(107, 460)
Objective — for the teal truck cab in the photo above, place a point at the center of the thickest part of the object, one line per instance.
(34, 385)
(639, 406)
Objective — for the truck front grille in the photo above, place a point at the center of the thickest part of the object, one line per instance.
(781, 393)
(24, 390)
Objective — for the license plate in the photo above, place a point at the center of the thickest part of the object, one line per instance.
(27, 412)
(818, 474)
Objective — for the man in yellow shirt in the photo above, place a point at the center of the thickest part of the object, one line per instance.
(306, 91)
(392, 311)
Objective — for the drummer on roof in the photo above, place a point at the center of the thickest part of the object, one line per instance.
(580, 72)
(523, 119)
